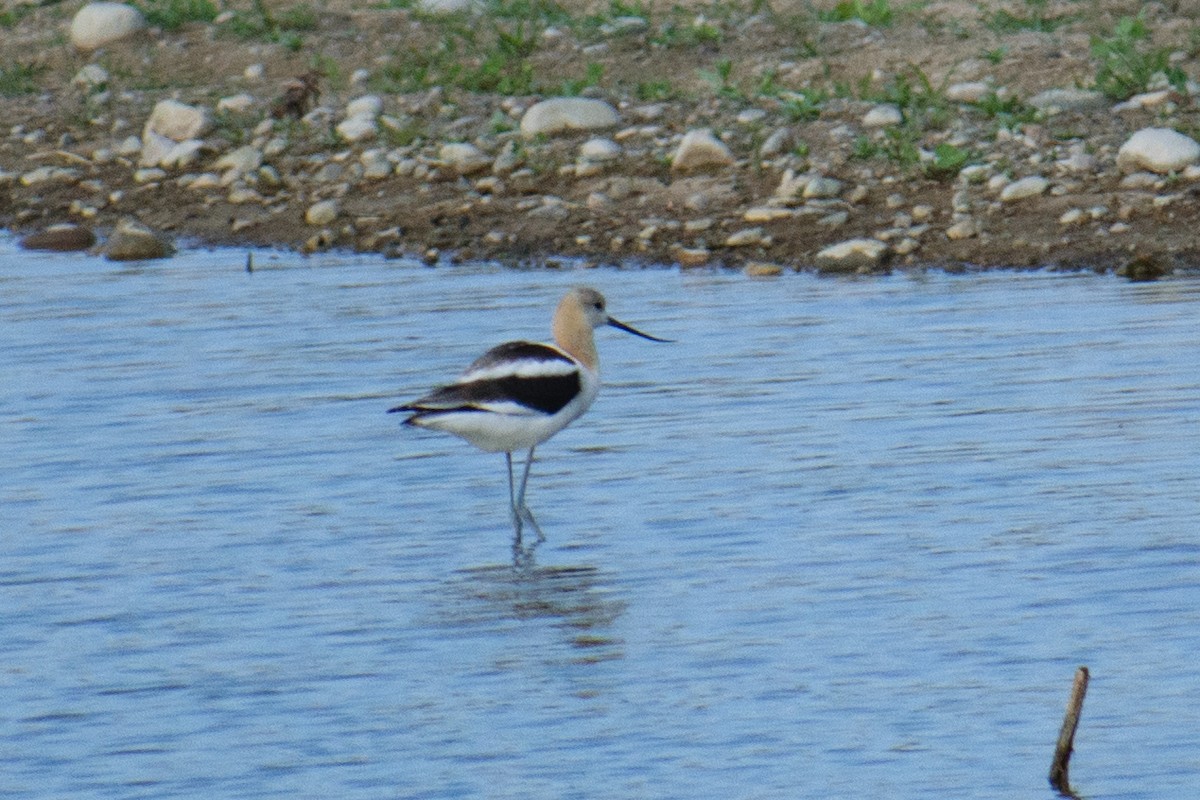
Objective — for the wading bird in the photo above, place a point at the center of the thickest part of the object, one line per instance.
(519, 394)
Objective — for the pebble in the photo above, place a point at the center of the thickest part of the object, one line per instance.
(357, 129)
(236, 104)
(49, 175)
(692, 256)
(566, 114)
(777, 143)
(821, 188)
(700, 150)
(90, 76)
(133, 241)
(63, 237)
(1024, 188)
(368, 105)
(748, 237)
(98, 24)
(1160, 150)
(1072, 217)
(884, 115)
(968, 92)
(464, 158)
(241, 160)
(177, 121)
(322, 212)
(1056, 101)
(853, 255)
(963, 229)
(762, 269)
(767, 214)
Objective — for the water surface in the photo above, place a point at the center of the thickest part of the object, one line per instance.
(845, 538)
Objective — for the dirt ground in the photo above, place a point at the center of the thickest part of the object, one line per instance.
(745, 72)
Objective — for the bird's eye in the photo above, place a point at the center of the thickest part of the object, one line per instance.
(598, 305)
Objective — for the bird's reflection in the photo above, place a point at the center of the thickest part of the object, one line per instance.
(574, 599)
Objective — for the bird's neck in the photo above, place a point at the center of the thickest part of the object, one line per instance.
(573, 333)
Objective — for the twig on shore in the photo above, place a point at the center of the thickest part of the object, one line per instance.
(1066, 736)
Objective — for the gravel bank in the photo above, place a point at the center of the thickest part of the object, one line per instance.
(992, 134)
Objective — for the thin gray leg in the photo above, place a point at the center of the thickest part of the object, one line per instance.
(521, 508)
(518, 523)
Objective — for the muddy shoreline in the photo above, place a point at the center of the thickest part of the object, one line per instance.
(909, 134)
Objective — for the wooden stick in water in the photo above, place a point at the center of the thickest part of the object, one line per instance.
(1066, 737)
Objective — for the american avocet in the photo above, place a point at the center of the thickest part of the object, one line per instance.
(519, 394)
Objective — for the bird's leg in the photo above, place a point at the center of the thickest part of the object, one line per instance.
(518, 523)
(520, 507)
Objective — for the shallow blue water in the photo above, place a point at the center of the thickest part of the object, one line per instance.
(845, 538)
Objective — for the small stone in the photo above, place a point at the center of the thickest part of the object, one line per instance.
(1024, 188)
(748, 237)
(767, 214)
(149, 175)
(565, 114)
(98, 24)
(1055, 101)
(254, 72)
(922, 213)
(49, 175)
(1072, 217)
(177, 121)
(356, 129)
(63, 238)
(369, 105)
(853, 255)
(182, 155)
(1160, 150)
(599, 150)
(322, 212)
(240, 195)
(133, 241)
(90, 76)
(777, 143)
(822, 188)
(762, 269)
(241, 160)
(834, 220)
(700, 150)
(236, 104)
(692, 256)
(963, 229)
(884, 115)
(969, 92)
(464, 158)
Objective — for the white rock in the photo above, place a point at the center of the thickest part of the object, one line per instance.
(241, 160)
(1072, 217)
(699, 150)
(1055, 101)
(98, 24)
(1144, 101)
(90, 76)
(322, 212)
(376, 165)
(564, 114)
(599, 150)
(356, 129)
(749, 237)
(254, 72)
(963, 229)
(464, 158)
(369, 105)
(884, 115)
(130, 146)
(131, 241)
(154, 149)
(178, 121)
(236, 104)
(1160, 150)
(821, 188)
(1031, 186)
(970, 92)
(777, 143)
(183, 155)
(853, 255)
(767, 214)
